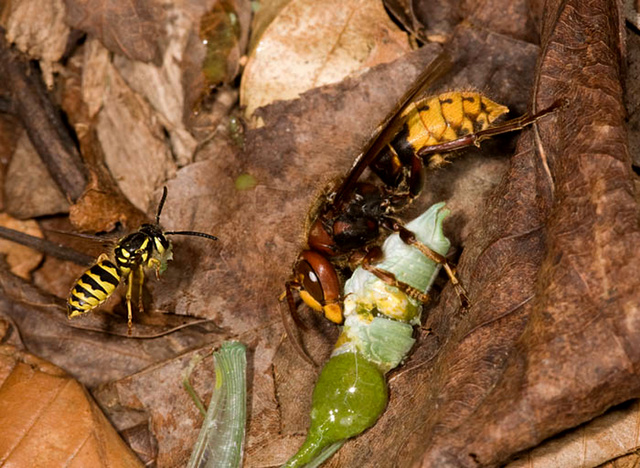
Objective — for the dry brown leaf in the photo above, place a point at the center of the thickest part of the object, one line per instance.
(21, 259)
(615, 433)
(162, 86)
(57, 276)
(306, 46)
(436, 20)
(37, 28)
(132, 28)
(29, 189)
(99, 209)
(139, 164)
(102, 204)
(52, 419)
(95, 67)
(512, 18)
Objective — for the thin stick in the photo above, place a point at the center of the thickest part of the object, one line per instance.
(47, 247)
(48, 134)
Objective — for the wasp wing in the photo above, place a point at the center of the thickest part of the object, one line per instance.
(389, 127)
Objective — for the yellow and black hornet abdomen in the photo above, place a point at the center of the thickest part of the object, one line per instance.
(93, 288)
(431, 121)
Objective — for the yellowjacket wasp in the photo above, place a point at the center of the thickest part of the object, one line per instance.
(148, 247)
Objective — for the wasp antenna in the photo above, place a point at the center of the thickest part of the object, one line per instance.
(191, 233)
(164, 197)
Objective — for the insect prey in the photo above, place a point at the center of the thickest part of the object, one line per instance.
(344, 230)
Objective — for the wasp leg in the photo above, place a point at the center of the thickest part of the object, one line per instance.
(374, 254)
(409, 238)
(155, 264)
(477, 137)
(291, 333)
(130, 281)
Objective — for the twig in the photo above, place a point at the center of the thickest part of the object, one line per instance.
(46, 130)
(45, 246)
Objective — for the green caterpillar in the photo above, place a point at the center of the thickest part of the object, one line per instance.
(351, 392)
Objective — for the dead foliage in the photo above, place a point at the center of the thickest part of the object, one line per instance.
(545, 223)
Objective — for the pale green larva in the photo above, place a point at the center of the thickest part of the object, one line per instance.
(351, 391)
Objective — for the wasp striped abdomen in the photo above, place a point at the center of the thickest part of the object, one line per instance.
(93, 288)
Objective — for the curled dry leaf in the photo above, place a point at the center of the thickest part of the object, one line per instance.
(132, 28)
(49, 419)
(22, 260)
(98, 210)
(38, 29)
(306, 46)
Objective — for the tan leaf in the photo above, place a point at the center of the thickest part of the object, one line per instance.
(127, 28)
(49, 419)
(21, 259)
(139, 164)
(306, 46)
(95, 67)
(38, 28)
(30, 191)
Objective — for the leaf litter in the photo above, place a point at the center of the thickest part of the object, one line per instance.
(546, 258)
